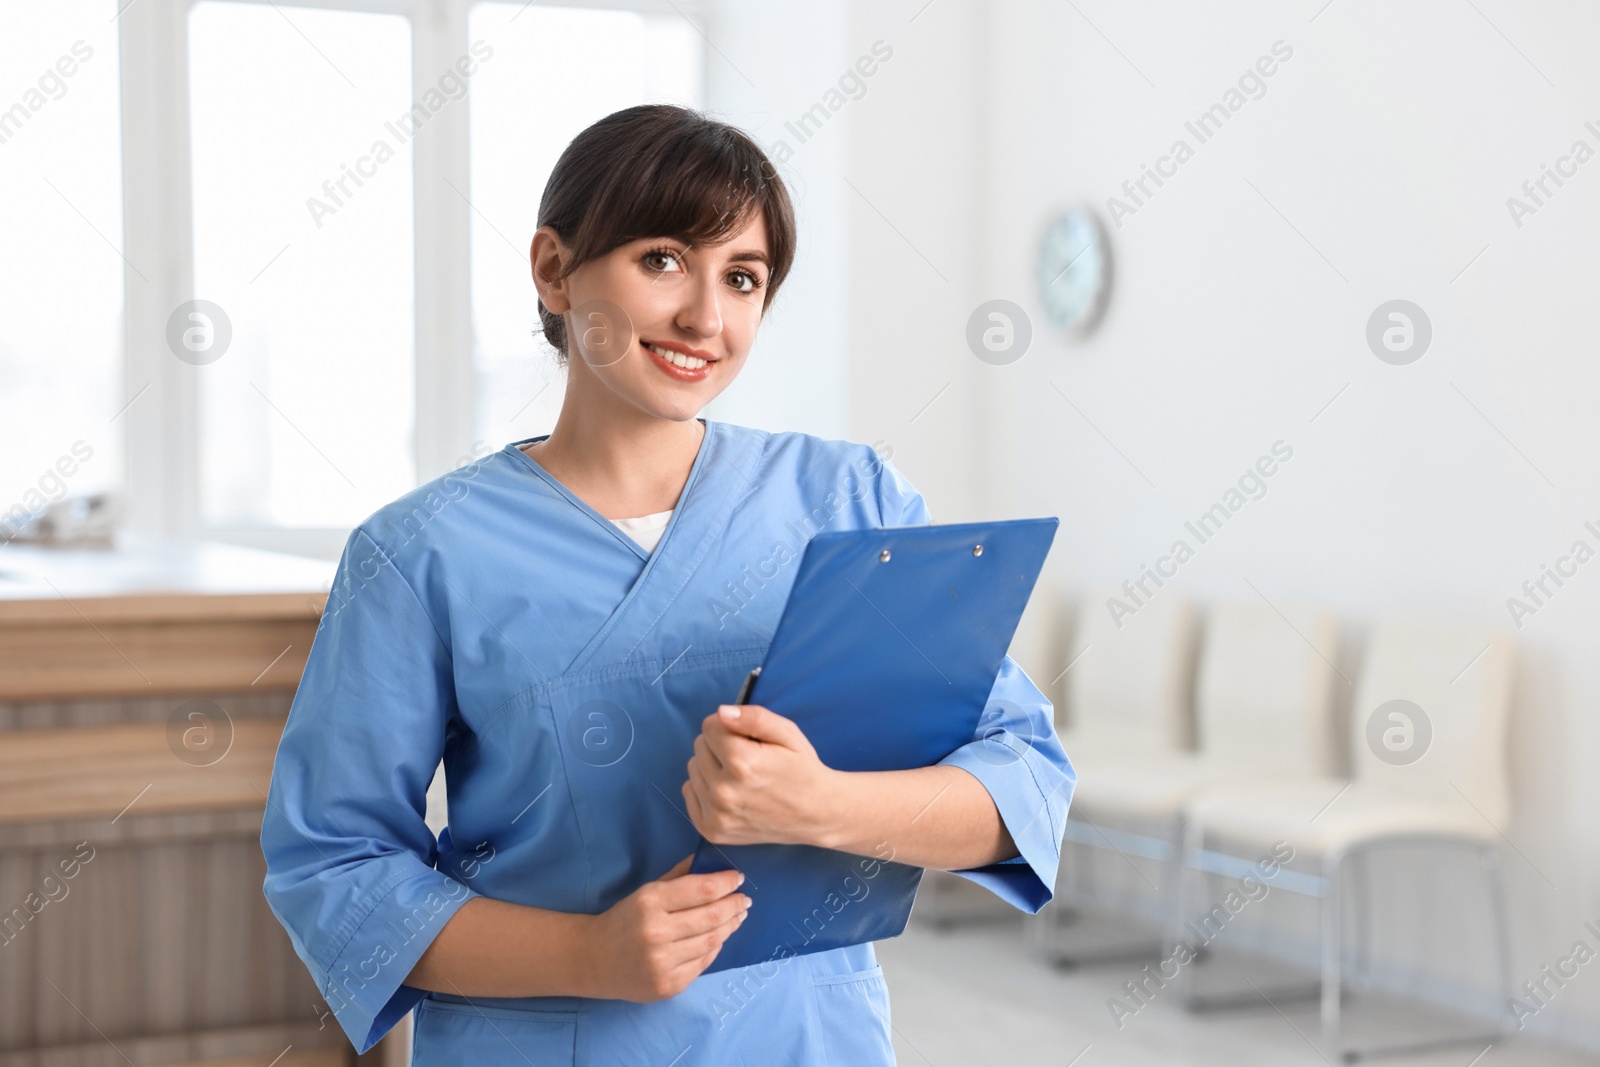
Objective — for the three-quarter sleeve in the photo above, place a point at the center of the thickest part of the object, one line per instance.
(350, 857)
(1017, 756)
(1015, 753)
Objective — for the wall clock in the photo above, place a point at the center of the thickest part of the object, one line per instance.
(1074, 270)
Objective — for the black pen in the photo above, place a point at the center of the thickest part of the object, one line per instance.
(749, 684)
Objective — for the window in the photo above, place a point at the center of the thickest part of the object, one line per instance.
(302, 186)
(62, 266)
(323, 303)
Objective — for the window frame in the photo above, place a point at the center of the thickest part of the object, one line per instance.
(162, 430)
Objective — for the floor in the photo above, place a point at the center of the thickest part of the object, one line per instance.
(974, 996)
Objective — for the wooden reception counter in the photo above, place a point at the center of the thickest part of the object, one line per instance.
(168, 619)
(142, 695)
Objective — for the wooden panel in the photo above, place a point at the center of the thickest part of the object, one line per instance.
(62, 835)
(81, 658)
(98, 771)
(56, 932)
(159, 607)
(165, 953)
(236, 1047)
(161, 948)
(19, 990)
(327, 1058)
(217, 940)
(109, 710)
(125, 953)
(108, 889)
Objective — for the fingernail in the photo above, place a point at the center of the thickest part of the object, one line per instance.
(741, 879)
(729, 712)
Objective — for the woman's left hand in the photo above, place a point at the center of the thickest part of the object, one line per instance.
(754, 778)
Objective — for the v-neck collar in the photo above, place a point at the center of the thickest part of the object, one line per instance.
(719, 480)
(707, 446)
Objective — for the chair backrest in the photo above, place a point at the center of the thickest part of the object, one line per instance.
(1130, 687)
(1264, 689)
(1430, 713)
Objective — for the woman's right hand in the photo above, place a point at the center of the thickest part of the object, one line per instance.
(652, 943)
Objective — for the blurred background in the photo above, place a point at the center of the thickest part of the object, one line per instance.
(1286, 309)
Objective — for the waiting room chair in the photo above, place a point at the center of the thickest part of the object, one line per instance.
(1263, 700)
(1128, 697)
(1426, 737)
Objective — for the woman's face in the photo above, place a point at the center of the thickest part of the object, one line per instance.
(659, 324)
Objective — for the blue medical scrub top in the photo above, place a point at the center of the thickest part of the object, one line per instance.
(494, 620)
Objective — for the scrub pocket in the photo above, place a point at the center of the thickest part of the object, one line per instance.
(448, 1033)
(853, 1009)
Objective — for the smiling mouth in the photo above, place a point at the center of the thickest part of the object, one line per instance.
(677, 359)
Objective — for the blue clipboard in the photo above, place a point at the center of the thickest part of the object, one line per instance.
(885, 656)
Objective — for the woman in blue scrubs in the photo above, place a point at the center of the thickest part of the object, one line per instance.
(508, 618)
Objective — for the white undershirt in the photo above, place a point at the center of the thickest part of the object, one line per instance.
(646, 529)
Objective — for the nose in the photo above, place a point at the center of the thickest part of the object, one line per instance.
(701, 312)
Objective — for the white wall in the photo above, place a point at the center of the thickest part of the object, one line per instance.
(852, 346)
(766, 66)
(1376, 166)
(915, 263)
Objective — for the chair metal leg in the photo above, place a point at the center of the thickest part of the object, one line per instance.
(1494, 881)
(1071, 902)
(1171, 870)
(1046, 938)
(1189, 838)
(1330, 987)
(1086, 879)
(1332, 952)
(1360, 898)
(1489, 858)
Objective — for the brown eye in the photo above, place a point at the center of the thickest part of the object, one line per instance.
(659, 254)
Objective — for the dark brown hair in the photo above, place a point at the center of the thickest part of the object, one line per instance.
(657, 170)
